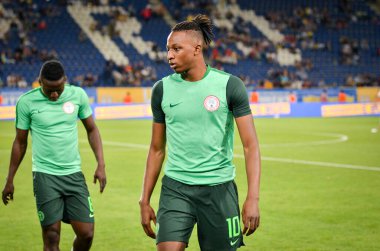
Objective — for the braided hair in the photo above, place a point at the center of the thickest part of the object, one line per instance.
(200, 23)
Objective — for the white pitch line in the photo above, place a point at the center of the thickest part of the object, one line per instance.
(283, 160)
(114, 143)
(317, 163)
(338, 139)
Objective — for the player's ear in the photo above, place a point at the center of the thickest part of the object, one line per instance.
(198, 49)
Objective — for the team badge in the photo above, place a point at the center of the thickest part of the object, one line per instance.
(68, 107)
(211, 103)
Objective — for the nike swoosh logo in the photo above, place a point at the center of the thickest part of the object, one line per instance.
(91, 215)
(233, 242)
(172, 105)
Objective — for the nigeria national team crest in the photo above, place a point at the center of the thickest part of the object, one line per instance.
(68, 107)
(211, 103)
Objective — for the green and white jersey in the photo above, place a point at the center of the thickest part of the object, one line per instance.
(199, 118)
(54, 130)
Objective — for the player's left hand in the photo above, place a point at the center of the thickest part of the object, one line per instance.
(251, 216)
(148, 215)
(7, 193)
(100, 174)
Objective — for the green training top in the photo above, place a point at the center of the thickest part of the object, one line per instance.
(54, 130)
(199, 125)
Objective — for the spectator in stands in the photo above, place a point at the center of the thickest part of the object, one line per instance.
(87, 80)
(95, 26)
(198, 174)
(21, 82)
(254, 98)
(35, 84)
(42, 25)
(324, 96)
(111, 29)
(292, 97)
(131, 11)
(146, 13)
(158, 55)
(377, 99)
(118, 77)
(82, 36)
(12, 80)
(106, 76)
(1, 99)
(350, 81)
(342, 98)
(127, 98)
(5, 59)
(284, 79)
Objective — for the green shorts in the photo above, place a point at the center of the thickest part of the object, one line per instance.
(62, 198)
(215, 209)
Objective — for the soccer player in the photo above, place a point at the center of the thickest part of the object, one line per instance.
(50, 113)
(194, 111)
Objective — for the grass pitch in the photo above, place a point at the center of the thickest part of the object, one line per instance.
(320, 187)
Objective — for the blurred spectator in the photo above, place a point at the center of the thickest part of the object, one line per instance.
(5, 59)
(21, 82)
(292, 97)
(127, 98)
(146, 13)
(89, 80)
(106, 76)
(42, 25)
(342, 98)
(82, 36)
(378, 96)
(254, 97)
(324, 96)
(350, 81)
(16, 81)
(35, 83)
(12, 80)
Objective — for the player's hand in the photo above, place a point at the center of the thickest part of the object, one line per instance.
(251, 216)
(8, 193)
(147, 215)
(100, 174)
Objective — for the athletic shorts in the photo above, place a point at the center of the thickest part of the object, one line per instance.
(215, 209)
(62, 198)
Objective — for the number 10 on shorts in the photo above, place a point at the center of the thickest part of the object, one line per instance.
(233, 226)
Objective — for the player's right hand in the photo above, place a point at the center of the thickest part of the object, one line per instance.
(7, 194)
(147, 215)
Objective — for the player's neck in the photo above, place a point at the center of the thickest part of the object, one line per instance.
(195, 74)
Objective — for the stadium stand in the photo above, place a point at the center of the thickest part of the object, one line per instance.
(273, 43)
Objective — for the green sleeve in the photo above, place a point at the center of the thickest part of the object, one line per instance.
(237, 97)
(85, 108)
(157, 92)
(22, 115)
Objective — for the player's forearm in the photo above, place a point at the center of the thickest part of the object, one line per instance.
(253, 170)
(152, 171)
(17, 155)
(96, 145)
